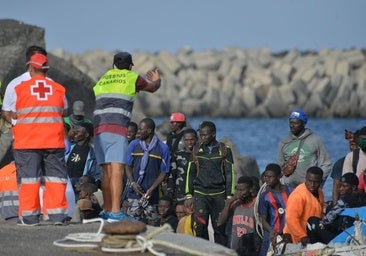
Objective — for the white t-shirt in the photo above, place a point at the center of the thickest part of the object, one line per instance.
(10, 96)
(361, 165)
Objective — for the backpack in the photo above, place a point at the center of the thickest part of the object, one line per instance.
(355, 157)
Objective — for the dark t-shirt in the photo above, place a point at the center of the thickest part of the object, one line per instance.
(76, 161)
(337, 169)
(172, 220)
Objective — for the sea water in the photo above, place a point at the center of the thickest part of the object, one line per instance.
(259, 137)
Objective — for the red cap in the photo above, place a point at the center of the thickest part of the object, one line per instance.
(38, 61)
(177, 117)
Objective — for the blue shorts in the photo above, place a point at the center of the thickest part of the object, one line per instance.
(110, 148)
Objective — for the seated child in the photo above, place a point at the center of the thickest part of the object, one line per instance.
(185, 224)
(166, 213)
(88, 205)
(83, 180)
(180, 210)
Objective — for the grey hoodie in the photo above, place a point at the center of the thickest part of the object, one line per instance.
(312, 153)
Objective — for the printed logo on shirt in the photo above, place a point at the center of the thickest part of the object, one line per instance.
(75, 158)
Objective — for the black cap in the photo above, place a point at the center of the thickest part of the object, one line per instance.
(350, 178)
(122, 58)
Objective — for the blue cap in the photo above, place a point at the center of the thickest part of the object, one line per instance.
(299, 114)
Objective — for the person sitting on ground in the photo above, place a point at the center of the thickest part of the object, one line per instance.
(305, 201)
(272, 205)
(185, 224)
(76, 118)
(88, 208)
(333, 223)
(166, 212)
(180, 210)
(81, 158)
(240, 207)
(83, 180)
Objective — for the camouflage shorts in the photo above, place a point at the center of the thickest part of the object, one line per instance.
(141, 210)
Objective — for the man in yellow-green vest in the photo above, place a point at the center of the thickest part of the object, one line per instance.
(115, 93)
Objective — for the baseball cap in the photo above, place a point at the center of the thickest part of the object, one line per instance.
(122, 58)
(39, 61)
(78, 108)
(299, 114)
(350, 178)
(177, 117)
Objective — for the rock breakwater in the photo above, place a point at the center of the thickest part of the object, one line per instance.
(239, 82)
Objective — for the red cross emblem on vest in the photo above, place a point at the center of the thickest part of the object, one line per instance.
(41, 90)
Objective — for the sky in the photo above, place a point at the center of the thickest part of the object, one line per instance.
(144, 25)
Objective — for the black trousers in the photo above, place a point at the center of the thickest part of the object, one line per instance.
(317, 234)
(205, 206)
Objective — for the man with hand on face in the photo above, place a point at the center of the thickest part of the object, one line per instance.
(238, 213)
(355, 161)
(308, 146)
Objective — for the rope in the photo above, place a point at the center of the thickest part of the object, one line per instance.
(138, 243)
(83, 237)
(122, 243)
(258, 219)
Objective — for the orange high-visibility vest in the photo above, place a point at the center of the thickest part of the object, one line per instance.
(39, 108)
(8, 191)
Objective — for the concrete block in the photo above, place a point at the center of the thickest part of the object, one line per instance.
(169, 60)
(342, 68)
(287, 95)
(237, 70)
(237, 106)
(248, 96)
(224, 68)
(313, 104)
(278, 77)
(207, 60)
(309, 74)
(355, 57)
(330, 66)
(213, 80)
(291, 56)
(274, 103)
